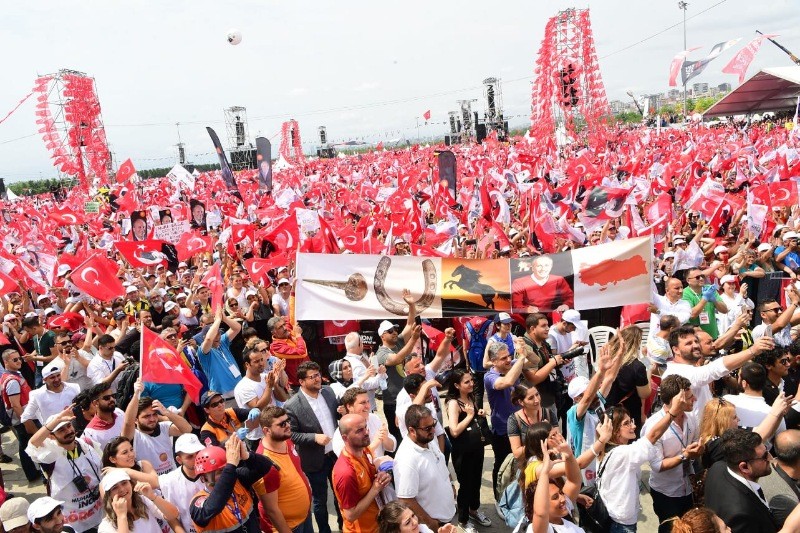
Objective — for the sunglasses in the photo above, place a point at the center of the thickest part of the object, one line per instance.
(776, 309)
(66, 343)
(699, 276)
(764, 457)
(106, 397)
(283, 424)
(426, 428)
(233, 305)
(217, 403)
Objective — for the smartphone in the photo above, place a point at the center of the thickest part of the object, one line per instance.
(418, 320)
(471, 242)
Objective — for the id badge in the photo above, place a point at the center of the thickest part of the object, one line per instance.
(704, 318)
(234, 371)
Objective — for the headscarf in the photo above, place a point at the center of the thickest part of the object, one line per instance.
(335, 371)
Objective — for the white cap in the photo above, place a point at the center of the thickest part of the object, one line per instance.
(679, 238)
(503, 318)
(42, 297)
(790, 235)
(131, 288)
(51, 419)
(572, 316)
(182, 264)
(49, 310)
(63, 270)
(42, 507)
(250, 292)
(188, 443)
(764, 246)
(669, 255)
(281, 269)
(158, 292)
(169, 306)
(9, 317)
(727, 279)
(720, 249)
(114, 476)
(30, 314)
(386, 326)
(14, 513)
(283, 280)
(52, 368)
(577, 386)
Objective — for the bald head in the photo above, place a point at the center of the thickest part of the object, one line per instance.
(348, 422)
(787, 447)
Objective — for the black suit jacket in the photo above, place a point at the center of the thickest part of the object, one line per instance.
(738, 506)
(305, 425)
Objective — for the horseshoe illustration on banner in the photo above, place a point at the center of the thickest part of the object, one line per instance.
(355, 288)
(400, 308)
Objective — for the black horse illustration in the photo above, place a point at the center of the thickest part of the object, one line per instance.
(469, 280)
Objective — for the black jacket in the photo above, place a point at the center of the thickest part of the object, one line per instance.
(738, 506)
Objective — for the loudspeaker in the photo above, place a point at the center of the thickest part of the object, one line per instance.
(2, 188)
(480, 132)
(326, 153)
(448, 141)
(243, 159)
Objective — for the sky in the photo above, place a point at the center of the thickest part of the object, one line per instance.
(365, 70)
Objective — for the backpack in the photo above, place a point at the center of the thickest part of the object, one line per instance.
(125, 384)
(25, 390)
(477, 345)
(512, 506)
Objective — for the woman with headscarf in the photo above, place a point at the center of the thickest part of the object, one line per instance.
(341, 373)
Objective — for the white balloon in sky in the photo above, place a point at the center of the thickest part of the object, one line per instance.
(234, 36)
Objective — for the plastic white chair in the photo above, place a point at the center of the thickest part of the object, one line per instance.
(645, 327)
(598, 337)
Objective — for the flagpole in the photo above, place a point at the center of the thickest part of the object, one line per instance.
(683, 5)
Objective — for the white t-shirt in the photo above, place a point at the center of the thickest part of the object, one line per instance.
(673, 482)
(78, 373)
(751, 410)
(781, 338)
(179, 490)
(42, 403)
(247, 390)
(157, 450)
(99, 369)
(403, 403)
(421, 473)
(140, 525)
(241, 298)
(283, 305)
(374, 424)
(700, 376)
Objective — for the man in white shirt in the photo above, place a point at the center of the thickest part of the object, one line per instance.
(361, 365)
(422, 480)
(561, 338)
(751, 408)
(151, 427)
(182, 484)
(672, 303)
(50, 399)
(670, 485)
(686, 353)
(107, 365)
(419, 392)
(779, 320)
(108, 419)
(355, 401)
(256, 389)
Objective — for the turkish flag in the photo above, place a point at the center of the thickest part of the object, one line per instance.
(65, 216)
(782, 193)
(142, 254)
(7, 284)
(128, 202)
(427, 115)
(125, 171)
(213, 280)
(97, 277)
(191, 244)
(240, 232)
(605, 203)
(160, 363)
(258, 268)
(286, 236)
(326, 238)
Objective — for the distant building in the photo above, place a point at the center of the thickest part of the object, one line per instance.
(616, 106)
(699, 89)
(673, 94)
(724, 87)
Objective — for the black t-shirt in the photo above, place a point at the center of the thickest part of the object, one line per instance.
(548, 389)
(623, 390)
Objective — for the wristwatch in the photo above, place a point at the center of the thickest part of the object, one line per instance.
(683, 458)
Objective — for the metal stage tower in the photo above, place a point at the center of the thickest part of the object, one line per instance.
(493, 116)
(467, 126)
(243, 155)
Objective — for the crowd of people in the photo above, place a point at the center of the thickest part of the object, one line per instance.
(394, 420)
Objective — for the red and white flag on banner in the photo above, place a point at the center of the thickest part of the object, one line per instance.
(97, 277)
(142, 254)
(675, 66)
(213, 280)
(741, 61)
(160, 363)
(125, 171)
(427, 115)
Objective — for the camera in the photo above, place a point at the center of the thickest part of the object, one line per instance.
(572, 354)
(80, 483)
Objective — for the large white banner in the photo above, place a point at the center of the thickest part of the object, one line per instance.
(339, 287)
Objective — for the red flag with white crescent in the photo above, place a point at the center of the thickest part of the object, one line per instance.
(7, 284)
(191, 244)
(213, 280)
(258, 267)
(160, 363)
(125, 171)
(97, 277)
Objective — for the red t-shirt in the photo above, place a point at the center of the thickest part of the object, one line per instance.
(352, 480)
(294, 498)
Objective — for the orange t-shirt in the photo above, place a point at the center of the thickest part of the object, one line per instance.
(294, 491)
(352, 480)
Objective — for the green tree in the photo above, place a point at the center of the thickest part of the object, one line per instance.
(628, 117)
(702, 104)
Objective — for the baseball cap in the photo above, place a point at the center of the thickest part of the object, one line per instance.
(207, 397)
(503, 318)
(790, 235)
(727, 279)
(283, 280)
(386, 326)
(42, 507)
(251, 292)
(63, 270)
(51, 419)
(42, 297)
(49, 311)
(169, 306)
(678, 239)
(51, 369)
(669, 255)
(131, 288)
(14, 513)
(188, 443)
(764, 246)
(9, 317)
(182, 265)
(572, 316)
(577, 386)
(114, 476)
(720, 249)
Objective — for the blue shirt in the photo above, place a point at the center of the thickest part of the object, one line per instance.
(508, 341)
(499, 402)
(219, 366)
(171, 395)
(792, 259)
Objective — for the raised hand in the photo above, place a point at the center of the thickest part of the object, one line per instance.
(120, 506)
(233, 452)
(144, 488)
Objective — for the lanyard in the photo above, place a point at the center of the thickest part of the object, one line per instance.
(235, 509)
(686, 434)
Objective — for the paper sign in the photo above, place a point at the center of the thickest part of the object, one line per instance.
(171, 232)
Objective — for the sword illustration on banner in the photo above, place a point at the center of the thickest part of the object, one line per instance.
(793, 57)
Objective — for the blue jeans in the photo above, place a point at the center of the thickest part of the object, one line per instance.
(305, 527)
(622, 528)
(319, 494)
